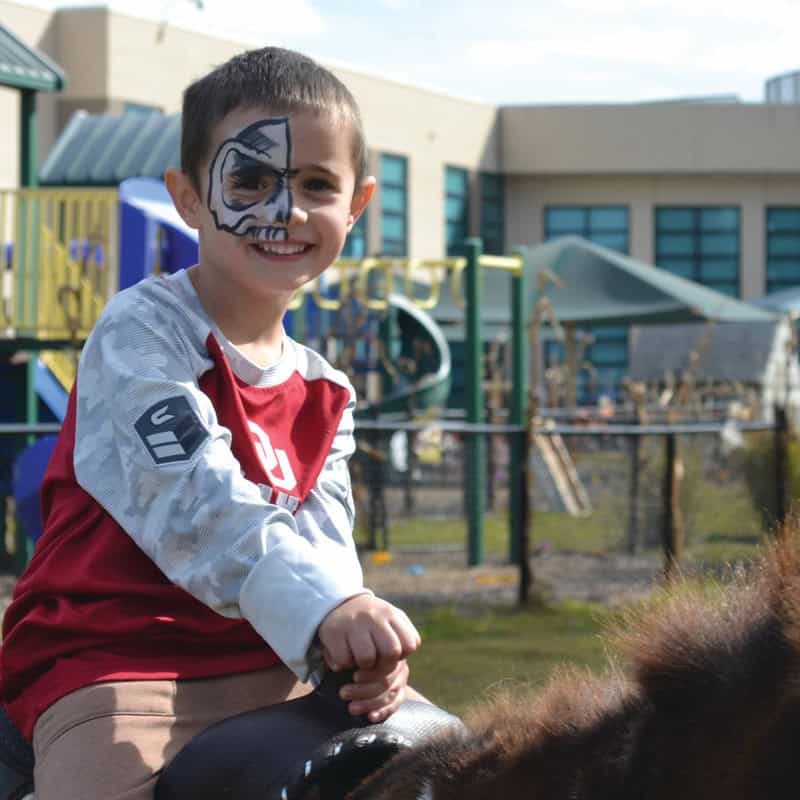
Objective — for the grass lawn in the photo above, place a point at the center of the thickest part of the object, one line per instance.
(466, 656)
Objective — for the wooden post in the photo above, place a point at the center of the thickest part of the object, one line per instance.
(672, 523)
(633, 495)
(570, 365)
(781, 445)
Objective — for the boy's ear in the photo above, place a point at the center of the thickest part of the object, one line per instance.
(361, 197)
(184, 196)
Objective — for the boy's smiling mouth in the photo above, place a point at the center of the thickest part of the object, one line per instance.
(278, 248)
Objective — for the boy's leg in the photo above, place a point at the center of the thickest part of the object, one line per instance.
(108, 741)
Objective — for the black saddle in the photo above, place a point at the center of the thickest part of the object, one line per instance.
(283, 752)
(16, 761)
(307, 747)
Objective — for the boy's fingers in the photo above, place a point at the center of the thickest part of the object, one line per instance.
(407, 635)
(370, 687)
(364, 649)
(387, 644)
(380, 707)
(338, 656)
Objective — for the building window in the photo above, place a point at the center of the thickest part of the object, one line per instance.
(456, 209)
(394, 205)
(701, 244)
(604, 225)
(355, 245)
(608, 352)
(493, 213)
(783, 248)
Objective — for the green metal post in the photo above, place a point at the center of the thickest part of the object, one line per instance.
(519, 397)
(28, 144)
(27, 178)
(475, 462)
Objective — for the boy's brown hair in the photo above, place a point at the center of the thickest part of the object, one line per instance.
(283, 81)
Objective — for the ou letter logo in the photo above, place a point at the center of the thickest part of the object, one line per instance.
(275, 462)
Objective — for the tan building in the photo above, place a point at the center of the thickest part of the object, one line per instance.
(708, 190)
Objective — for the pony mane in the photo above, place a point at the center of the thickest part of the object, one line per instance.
(698, 642)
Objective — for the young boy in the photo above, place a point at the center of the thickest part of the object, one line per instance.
(197, 559)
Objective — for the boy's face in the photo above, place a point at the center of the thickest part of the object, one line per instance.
(277, 199)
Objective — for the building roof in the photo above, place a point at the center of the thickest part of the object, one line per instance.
(23, 67)
(104, 149)
(729, 351)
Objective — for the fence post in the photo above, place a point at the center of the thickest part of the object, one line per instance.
(524, 514)
(781, 445)
(672, 525)
(633, 495)
(518, 467)
(475, 445)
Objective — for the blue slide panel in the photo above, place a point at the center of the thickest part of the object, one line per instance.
(152, 233)
(50, 391)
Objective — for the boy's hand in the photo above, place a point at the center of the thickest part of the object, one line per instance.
(376, 692)
(373, 637)
(365, 632)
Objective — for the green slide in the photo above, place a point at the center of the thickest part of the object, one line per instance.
(426, 382)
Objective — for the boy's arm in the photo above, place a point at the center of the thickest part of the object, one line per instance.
(208, 528)
(325, 518)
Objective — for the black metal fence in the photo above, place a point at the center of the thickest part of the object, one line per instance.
(663, 493)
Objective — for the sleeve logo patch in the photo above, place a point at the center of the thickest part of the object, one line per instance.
(171, 430)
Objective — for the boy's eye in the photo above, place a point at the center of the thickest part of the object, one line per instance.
(252, 181)
(318, 185)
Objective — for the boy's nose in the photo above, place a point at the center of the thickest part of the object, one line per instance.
(297, 216)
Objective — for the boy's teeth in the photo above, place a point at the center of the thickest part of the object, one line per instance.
(281, 249)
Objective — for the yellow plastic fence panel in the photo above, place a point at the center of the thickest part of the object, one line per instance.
(60, 252)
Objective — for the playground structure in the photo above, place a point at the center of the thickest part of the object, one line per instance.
(67, 251)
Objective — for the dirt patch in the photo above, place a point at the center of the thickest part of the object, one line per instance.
(440, 578)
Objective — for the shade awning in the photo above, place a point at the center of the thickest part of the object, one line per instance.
(785, 300)
(600, 285)
(596, 285)
(25, 68)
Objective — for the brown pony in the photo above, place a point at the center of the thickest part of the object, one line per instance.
(704, 705)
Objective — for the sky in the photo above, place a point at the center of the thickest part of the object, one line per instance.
(518, 51)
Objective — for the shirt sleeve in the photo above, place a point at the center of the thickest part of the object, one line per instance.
(179, 491)
(326, 520)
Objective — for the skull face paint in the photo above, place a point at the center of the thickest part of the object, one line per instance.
(248, 185)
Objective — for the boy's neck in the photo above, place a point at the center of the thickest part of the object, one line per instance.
(254, 326)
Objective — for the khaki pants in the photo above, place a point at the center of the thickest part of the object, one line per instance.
(109, 741)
